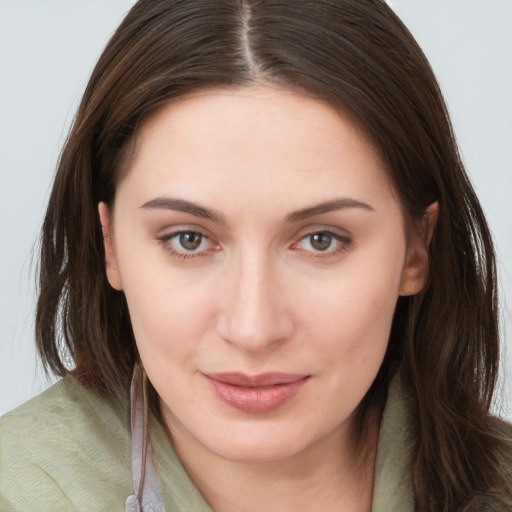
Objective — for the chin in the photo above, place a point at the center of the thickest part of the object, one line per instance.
(261, 452)
(258, 444)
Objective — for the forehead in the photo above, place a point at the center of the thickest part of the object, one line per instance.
(254, 143)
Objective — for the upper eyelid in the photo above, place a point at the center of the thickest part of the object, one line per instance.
(337, 236)
(310, 227)
(341, 236)
(192, 252)
(173, 234)
(165, 241)
(311, 230)
(170, 232)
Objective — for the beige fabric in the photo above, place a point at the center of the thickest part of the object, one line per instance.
(393, 486)
(69, 450)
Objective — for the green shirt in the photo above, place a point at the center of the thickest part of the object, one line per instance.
(69, 450)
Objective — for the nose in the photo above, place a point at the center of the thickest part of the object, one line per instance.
(254, 312)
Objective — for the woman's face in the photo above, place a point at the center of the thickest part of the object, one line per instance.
(261, 251)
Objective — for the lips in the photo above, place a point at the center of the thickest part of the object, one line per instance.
(256, 393)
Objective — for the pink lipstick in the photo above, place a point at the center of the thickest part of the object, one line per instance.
(257, 393)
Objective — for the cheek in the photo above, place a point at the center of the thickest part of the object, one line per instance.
(169, 315)
(352, 313)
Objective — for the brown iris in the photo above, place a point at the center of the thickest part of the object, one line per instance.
(190, 240)
(321, 241)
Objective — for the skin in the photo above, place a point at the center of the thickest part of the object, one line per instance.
(258, 294)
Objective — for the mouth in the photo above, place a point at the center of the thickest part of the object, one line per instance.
(256, 393)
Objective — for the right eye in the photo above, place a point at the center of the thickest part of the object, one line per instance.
(186, 244)
(323, 243)
(189, 240)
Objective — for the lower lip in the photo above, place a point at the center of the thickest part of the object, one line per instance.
(256, 399)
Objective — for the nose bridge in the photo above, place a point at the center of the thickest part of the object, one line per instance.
(254, 313)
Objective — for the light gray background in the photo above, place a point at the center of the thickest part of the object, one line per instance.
(47, 51)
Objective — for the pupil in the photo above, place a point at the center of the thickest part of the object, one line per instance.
(190, 241)
(321, 241)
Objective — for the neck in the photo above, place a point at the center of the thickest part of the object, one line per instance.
(332, 474)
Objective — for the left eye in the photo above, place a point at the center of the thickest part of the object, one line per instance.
(189, 241)
(322, 241)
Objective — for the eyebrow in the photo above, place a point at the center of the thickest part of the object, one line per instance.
(328, 206)
(181, 205)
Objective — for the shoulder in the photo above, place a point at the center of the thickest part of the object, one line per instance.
(393, 488)
(66, 449)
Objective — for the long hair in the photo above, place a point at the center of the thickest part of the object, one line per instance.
(357, 56)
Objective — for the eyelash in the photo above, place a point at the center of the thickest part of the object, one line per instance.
(166, 239)
(344, 243)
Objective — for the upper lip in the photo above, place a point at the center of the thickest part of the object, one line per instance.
(254, 381)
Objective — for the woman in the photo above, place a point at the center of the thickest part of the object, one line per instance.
(260, 221)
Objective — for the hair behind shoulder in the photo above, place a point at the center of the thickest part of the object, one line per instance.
(359, 57)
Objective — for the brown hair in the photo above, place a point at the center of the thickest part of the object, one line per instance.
(359, 57)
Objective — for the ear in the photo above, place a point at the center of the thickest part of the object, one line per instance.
(415, 271)
(112, 270)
